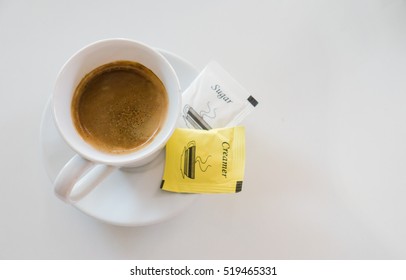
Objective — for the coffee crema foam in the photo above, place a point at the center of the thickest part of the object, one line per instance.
(119, 107)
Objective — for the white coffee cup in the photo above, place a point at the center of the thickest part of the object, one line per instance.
(90, 166)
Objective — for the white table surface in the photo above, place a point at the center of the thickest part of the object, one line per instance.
(326, 147)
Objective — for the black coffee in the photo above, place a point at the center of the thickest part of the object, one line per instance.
(119, 107)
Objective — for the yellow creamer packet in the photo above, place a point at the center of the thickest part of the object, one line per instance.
(205, 161)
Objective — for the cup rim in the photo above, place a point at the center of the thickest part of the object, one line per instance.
(91, 153)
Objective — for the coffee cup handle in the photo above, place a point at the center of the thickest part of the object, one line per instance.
(78, 177)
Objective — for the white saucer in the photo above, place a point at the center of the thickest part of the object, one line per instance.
(130, 197)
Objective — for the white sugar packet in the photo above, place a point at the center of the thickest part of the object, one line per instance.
(215, 100)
